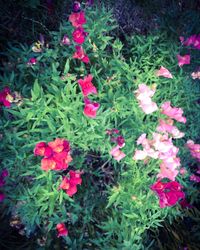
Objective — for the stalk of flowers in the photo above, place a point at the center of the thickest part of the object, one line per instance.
(5, 97)
(87, 88)
(115, 151)
(143, 95)
(56, 154)
(169, 193)
(69, 184)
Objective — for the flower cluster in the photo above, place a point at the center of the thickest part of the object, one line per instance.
(143, 95)
(3, 175)
(161, 146)
(5, 97)
(56, 154)
(169, 193)
(116, 152)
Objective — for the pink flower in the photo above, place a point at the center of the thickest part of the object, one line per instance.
(163, 72)
(65, 40)
(166, 172)
(166, 126)
(182, 60)
(194, 149)
(5, 97)
(174, 113)
(79, 35)
(90, 108)
(143, 95)
(76, 6)
(86, 85)
(195, 178)
(140, 155)
(62, 230)
(193, 40)
(32, 61)
(80, 54)
(117, 153)
(77, 19)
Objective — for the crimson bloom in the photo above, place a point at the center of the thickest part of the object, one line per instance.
(79, 35)
(169, 193)
(77, 19)
(90, 108)
(5, 97)
(80, 54)
(62, 230)
(86, 85)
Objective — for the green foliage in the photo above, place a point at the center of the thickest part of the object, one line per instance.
(114, 207)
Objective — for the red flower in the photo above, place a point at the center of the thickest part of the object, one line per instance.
(59, 145)
(48, 164)
(77, 19)
(79, 35)
(80, 54)
(62, 230)
(90, 108)
(70, 184)
(86, 86)
(5, 97)
(42, 149)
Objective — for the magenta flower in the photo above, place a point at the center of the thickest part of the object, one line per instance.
(163, 72)
(2, 197)
(5, 97)
(90, 108)
(87, 86)
(182, 60)
(80, 54)
(117, 153)
(32, 61)
(193, 40)
(174, 113)
(169, 193)
(195, 178)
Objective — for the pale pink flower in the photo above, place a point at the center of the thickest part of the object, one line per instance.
(166, 126)
(194, 149)
(174, 113)
(144, 92)
(163, 72)
(182, 60)
(183, 171)
(140, 155)
(166, 172)
(117, 153)
(149, 108)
